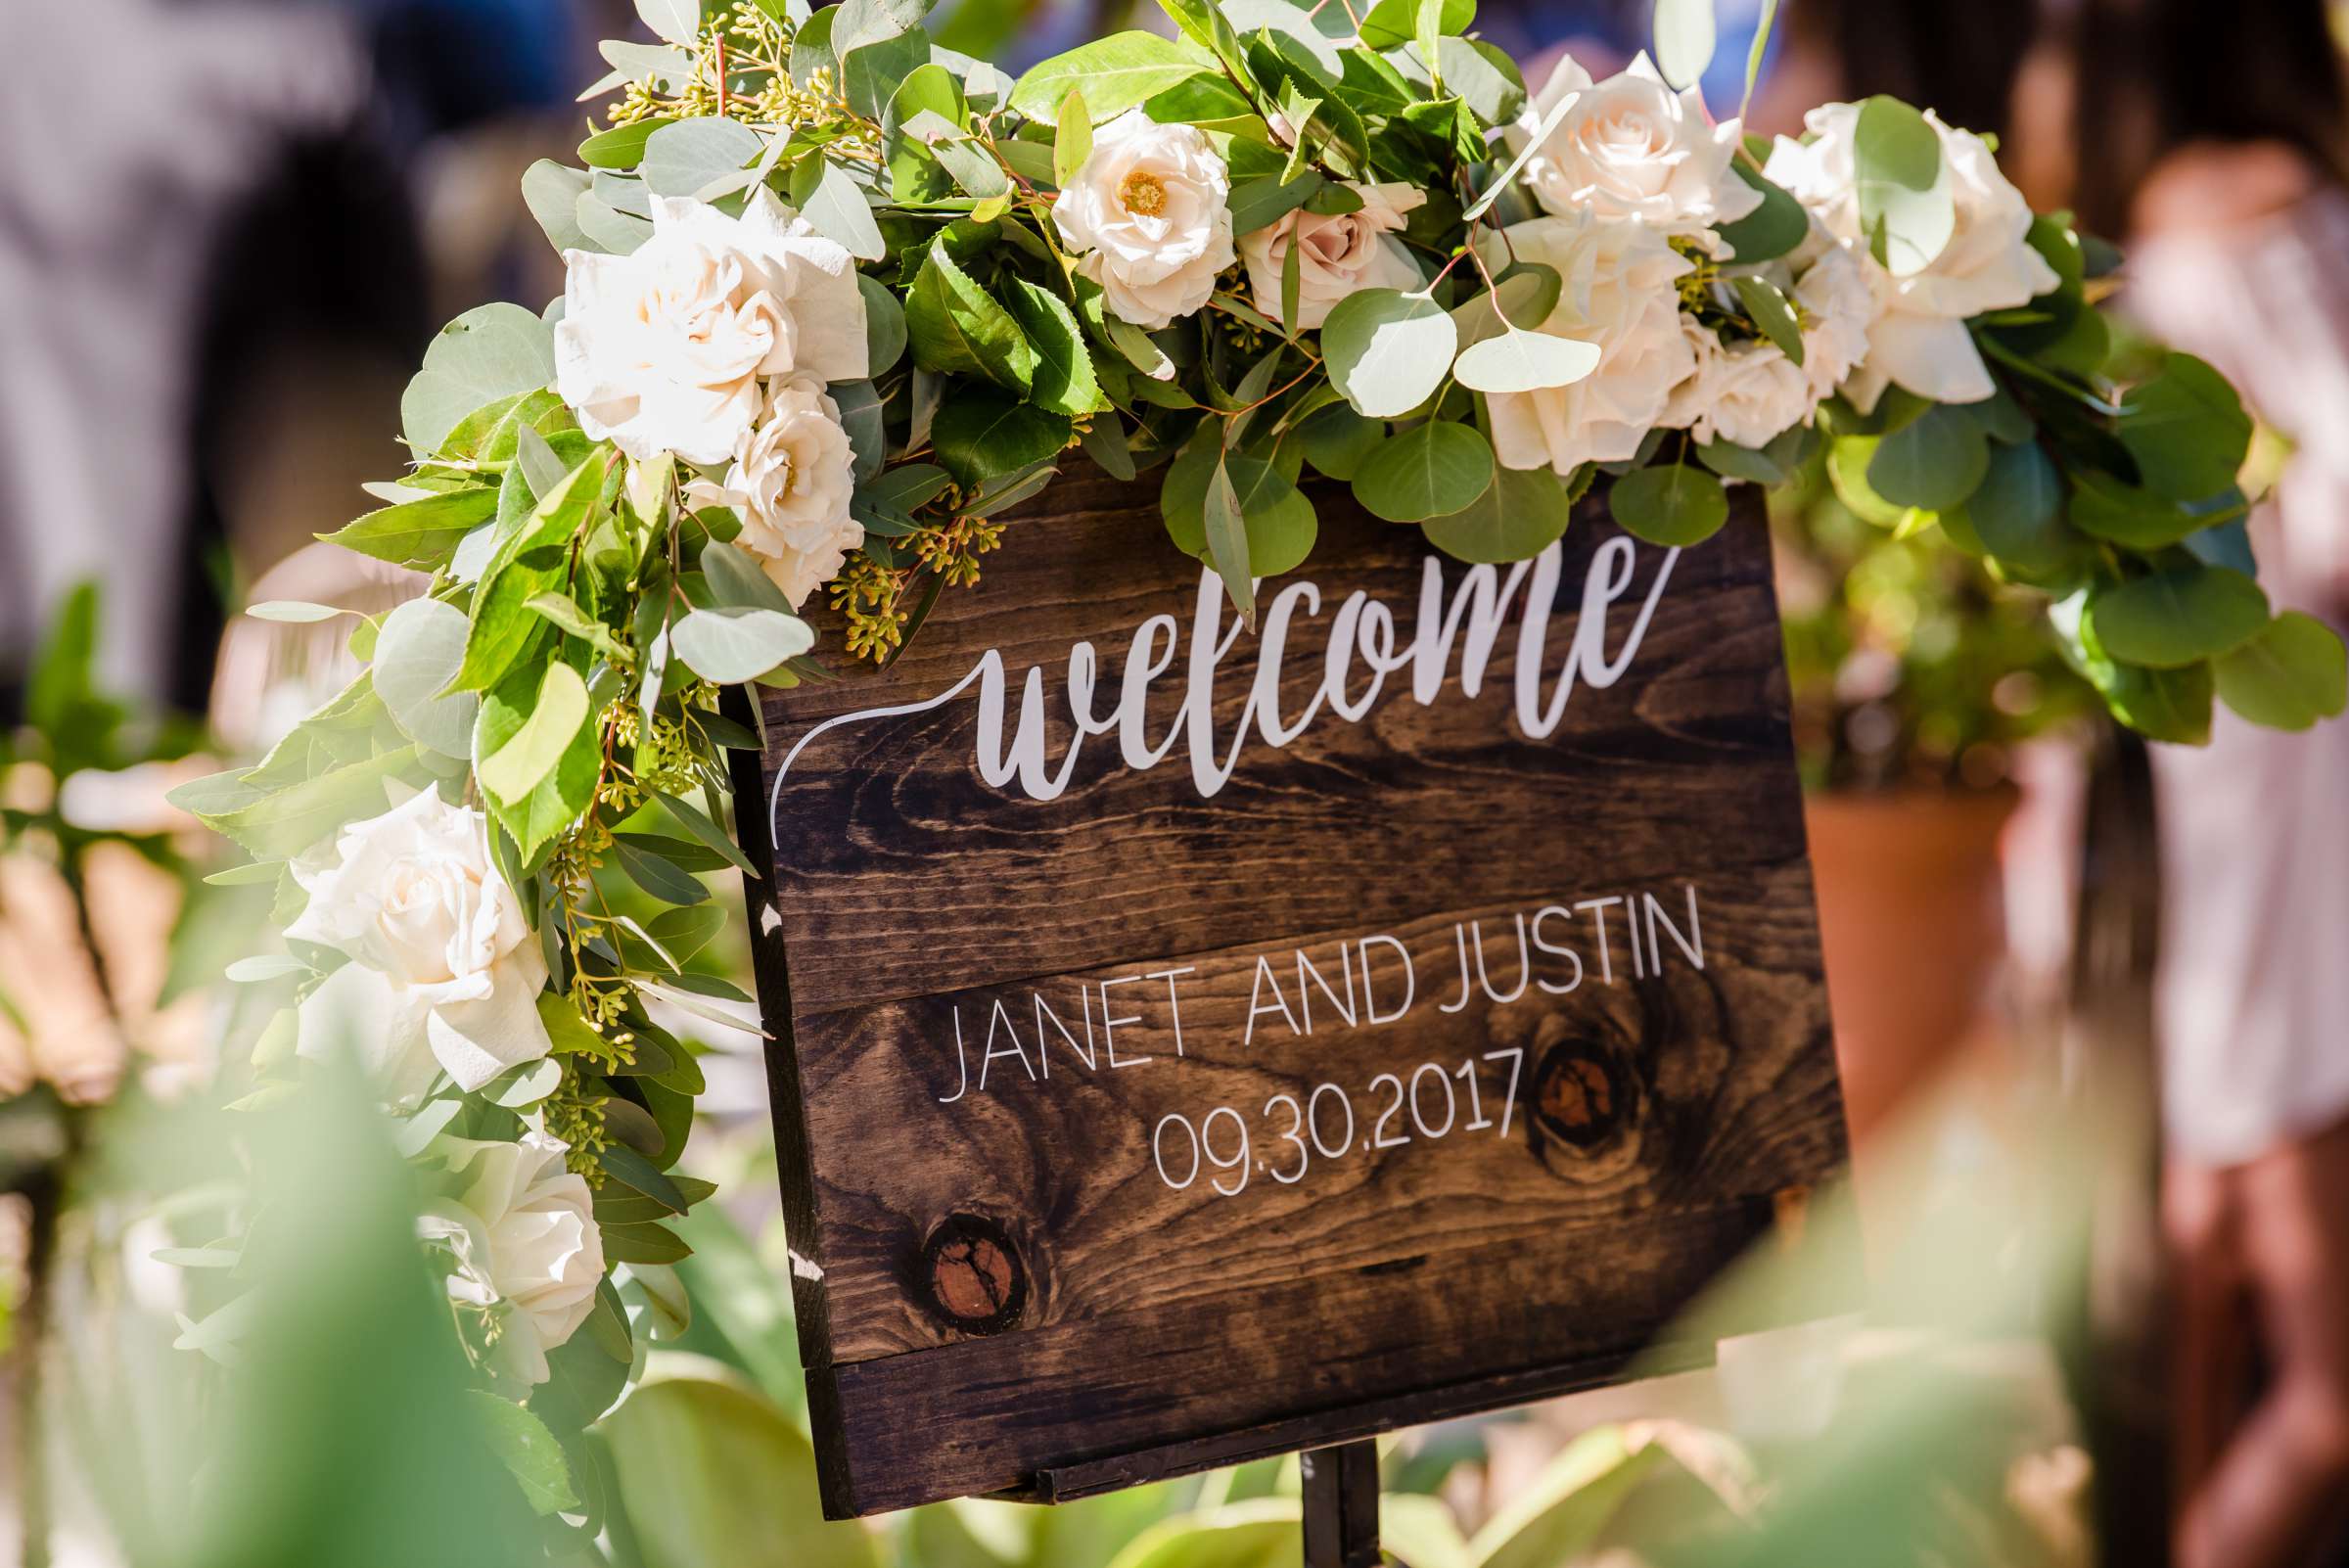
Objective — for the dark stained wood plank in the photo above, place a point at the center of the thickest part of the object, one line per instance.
(1004, 1282)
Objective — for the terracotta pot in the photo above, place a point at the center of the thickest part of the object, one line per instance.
(1912, 920)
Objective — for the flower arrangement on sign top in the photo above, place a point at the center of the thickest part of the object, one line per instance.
(838, 299)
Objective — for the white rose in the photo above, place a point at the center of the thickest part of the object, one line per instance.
(1147, 211)
(1743, 394)
(522, 1232)
(1837, 306)
(1336, 254)
(1630, 147)
(790, 485)
(443, 970)
(1919, 339)
(662, 350)
(1619, 293)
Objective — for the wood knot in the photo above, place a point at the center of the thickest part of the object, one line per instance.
(1579, 1096)
(971, 1274)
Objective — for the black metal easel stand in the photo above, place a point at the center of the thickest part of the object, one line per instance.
(1341, 1506)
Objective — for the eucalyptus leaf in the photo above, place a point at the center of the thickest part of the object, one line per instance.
(417, 654)
(1431, 470)
(2291, 675)
(490, 352)
(1677, 503)
(552, 192)
(835, 206)
(681, 158)
(1902, 183)
(2186, 430)
(730, 646)
(2178, 615)
(1684, 40)
(1518, 362)
(1931, 463)
(884, 325)
(1388, 352)
(1520, 514)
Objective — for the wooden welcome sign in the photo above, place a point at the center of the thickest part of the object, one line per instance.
(1193, 1044)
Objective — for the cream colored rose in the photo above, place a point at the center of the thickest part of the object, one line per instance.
(1743, 394)
(1919, 339)
(444, 971)
(662, 350)
(1620, 293)
(1146, 211)
(1838, 308)
(1336, 254)
(1630, 147)
(790, 485)
(522, 1230)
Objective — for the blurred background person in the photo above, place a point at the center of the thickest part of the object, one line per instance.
(2213, 139)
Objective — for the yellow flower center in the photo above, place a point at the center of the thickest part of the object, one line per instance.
(1142, 194)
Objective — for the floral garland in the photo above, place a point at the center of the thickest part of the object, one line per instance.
(837, 298)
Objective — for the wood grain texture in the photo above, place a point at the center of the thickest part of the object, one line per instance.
(1005, 1279)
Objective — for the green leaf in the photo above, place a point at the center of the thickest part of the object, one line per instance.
(884, 325)
(698, 823)
(2124, 514)
(1903, 186)
(288, 821)
(417, 654)
(1336, 440)
(834, 205)
(644, 1242)
(532, 559)
(683, 158)
(2017, 511)
(622, 146)
(662, 878)
(2293, 673)
(524, 1085)
(1431, 470)
(509, 773)
(490, 352)
(1931, 463)
(869, 72)
(2187, 429)
(528, 1449)
(1111, 74)
(1073, 141)
(1522, 297)
(422, 533)
(1388, 352)
(1105, 442)
(639, 1174)
(1518, 362)
(1684, 40)
(737, 581)
(710, 1473)
(1773, 312)
(678, 20)
(2169, 704)
(1063, 379)
(2178, 615)
(1677, 503)
(1258, 203)
(979, 436)
(556, 799)
(730, 646)
(959, 327)
(1392, 23)
(1227, 539)
(1771, 230)
(1280, 521)
(1561, 1514)
(1482, 76)
(293, 612)
(1520, 514)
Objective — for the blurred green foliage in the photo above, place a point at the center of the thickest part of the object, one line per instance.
(1909, 665)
